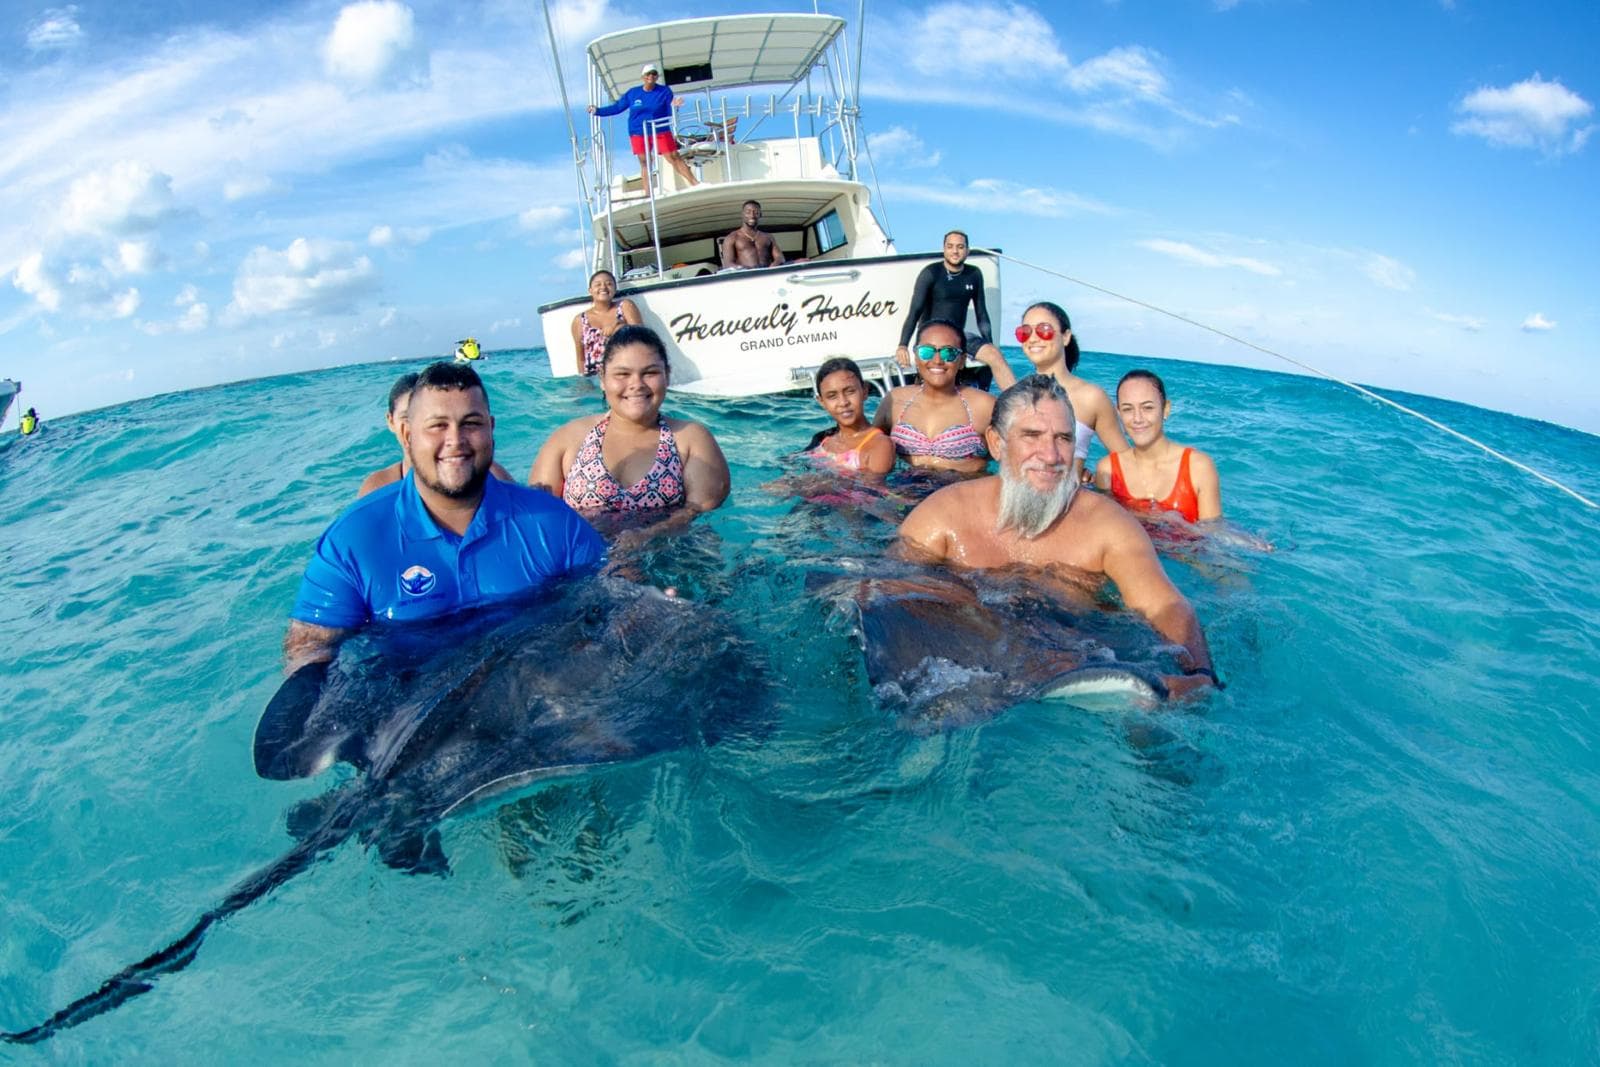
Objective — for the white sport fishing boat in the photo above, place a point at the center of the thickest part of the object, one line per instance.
(8, 392)
(769, 114)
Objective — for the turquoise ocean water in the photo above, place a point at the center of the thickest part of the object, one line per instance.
(1377, 846)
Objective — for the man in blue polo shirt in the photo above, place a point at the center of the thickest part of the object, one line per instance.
(445, 537)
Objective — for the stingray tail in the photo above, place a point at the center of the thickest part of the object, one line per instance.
(140, 977)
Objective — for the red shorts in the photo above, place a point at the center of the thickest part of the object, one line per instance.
(665, 143)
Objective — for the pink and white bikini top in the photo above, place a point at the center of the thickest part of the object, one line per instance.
(590, 486)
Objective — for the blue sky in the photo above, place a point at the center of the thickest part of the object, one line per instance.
(1403, 193)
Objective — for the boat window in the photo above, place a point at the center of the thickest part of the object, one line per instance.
(830, 232)
(691, 72)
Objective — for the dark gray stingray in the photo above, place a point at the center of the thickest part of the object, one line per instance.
(945, 650)
(449, 716)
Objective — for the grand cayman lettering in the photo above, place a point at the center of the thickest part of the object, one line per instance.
(781, 320)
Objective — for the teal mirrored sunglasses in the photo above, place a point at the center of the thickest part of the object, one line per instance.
(948, 353)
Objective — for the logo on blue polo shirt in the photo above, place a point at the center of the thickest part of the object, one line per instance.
(417, 580)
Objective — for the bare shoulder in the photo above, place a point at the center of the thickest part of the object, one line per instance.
(691, 433)
(630, 311)
(1200, 463)
(981, 401)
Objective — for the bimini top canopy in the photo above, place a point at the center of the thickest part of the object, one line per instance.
(715, 53)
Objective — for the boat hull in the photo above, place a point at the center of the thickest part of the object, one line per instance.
(750, 332)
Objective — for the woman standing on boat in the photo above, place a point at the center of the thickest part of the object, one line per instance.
(631, 459)
(594, 325)
(1046, 339)
(938, 424)
(649, 107)
(1157, 474)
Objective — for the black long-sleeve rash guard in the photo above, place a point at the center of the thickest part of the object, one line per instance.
(942, 295)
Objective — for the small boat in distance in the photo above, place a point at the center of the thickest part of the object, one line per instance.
(843, 289)
(467, 350)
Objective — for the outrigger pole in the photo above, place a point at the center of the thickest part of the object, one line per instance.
(572, 130)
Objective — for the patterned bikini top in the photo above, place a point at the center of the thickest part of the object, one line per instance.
(961, 441)
(590, 486)
(850, 458)
(594, 342)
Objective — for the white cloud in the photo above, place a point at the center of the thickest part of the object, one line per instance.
(1389, 273)
(241, 187)
(540, 219)
(899, 146)
(127, 197)
(133, 257)
(1001, 195)
(35, 279)
(572, 260)
(122, 305)
(196, 315)
(374, 43)
(1130, 69)
(1188, 253)
(1470, 323)
(504, 324)
(1530, 114)
(985, 36)
(1537, 323)
(55, 29)
(384, 236)
(310, 276)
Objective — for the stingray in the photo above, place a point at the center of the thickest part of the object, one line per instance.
(945, 650)
(455, 715)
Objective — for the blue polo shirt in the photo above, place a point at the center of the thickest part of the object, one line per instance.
(386, 558)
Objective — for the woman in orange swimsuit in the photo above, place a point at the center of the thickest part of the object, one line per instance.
(1157, 474)
(852, 443)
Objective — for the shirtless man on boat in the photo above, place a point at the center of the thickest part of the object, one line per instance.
(749, 245)
(1032, 514)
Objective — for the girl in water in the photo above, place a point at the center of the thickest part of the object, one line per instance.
(594, 325)
(852, 443)
(1157, 474)
(938, 424)
(631, 458)
(1046, 339)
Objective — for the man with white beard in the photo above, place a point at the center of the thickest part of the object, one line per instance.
(1032, 514)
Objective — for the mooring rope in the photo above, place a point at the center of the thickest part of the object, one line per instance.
(1363, 390)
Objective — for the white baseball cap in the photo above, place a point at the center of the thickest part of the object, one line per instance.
(648, 68)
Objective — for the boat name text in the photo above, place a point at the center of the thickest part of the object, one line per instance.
(819, 309)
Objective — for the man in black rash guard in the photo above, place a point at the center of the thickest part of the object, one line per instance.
(943, 291)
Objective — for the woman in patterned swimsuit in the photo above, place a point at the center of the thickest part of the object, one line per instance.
(630, 458)
(938, 424)
(592, 326)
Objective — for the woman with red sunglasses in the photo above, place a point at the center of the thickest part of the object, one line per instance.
(1046, 339)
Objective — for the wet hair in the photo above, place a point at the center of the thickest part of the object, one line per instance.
(928, 324)
(1059, 313)
(1028, 392)
(601, 271)
(402, 388)
(1150, 376)
(958, 233)
(449, 376)
(635, 335)
(834, 366)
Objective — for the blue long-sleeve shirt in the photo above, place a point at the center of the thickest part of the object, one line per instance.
(642, 106)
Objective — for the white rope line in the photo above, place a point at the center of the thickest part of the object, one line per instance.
(1363, 390)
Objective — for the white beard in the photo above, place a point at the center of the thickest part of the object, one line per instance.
(1027, 510)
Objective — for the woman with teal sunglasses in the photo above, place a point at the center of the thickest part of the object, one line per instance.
(938, 424)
